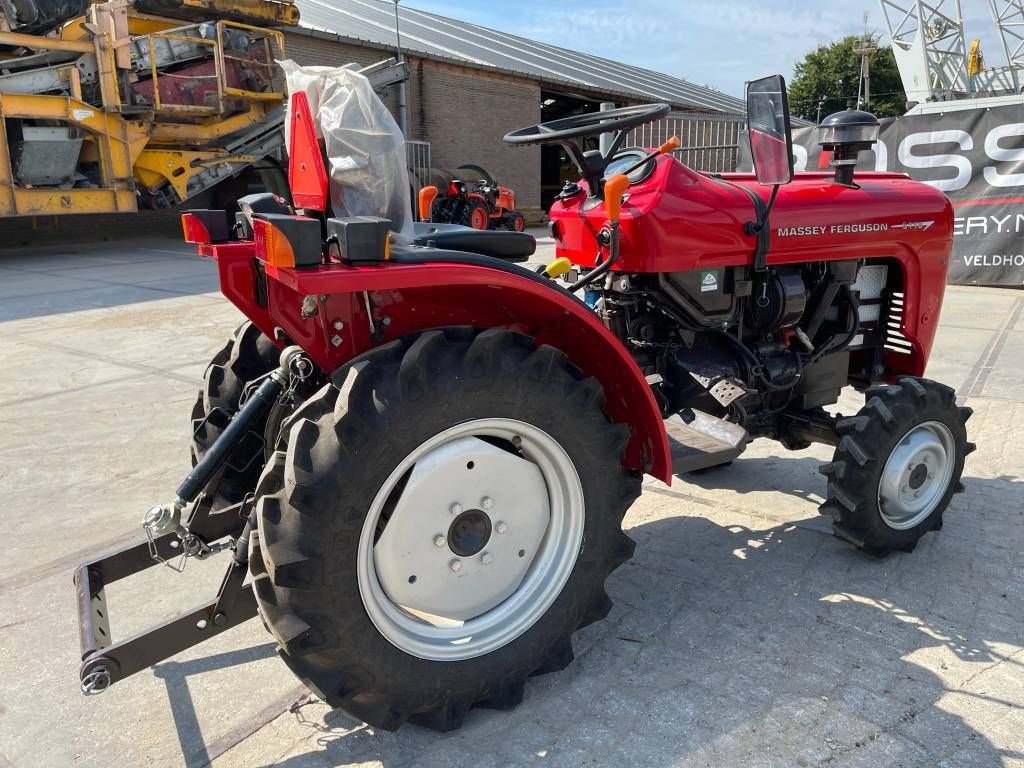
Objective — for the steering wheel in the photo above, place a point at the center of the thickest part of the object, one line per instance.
(564, 130)
(591, 124)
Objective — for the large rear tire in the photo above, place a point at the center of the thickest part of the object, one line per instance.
(453, 477)
(897, 466)
(246, 356)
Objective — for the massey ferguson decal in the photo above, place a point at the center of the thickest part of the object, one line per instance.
(849, 229)
(921, 226)
(977, 158)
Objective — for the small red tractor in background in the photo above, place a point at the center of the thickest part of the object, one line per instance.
(479, 204)
(421, 453)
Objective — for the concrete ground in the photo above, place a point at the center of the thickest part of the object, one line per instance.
(743, 634)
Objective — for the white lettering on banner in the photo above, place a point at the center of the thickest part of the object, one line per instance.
(961, 164)
(976, 222)
(985, 225)
(881, 153)
(993, 150)
(1006, 170)
(994, 260)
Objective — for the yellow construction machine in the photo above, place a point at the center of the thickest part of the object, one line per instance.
(125, 104)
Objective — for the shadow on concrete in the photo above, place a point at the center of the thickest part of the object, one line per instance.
(781, 646)
(186, 722)
(58, 279)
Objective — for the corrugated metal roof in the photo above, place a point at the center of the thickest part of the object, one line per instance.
(436, 36)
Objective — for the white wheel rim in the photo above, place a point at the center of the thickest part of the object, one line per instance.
(916, 475)
(414, 595)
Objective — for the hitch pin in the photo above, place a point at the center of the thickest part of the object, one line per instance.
(163, 519)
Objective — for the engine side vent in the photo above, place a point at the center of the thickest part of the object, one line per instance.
(895, 341)
(870, 289)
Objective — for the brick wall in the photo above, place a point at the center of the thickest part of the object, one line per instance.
(464, 114)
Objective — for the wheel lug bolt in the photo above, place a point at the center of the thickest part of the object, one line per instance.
(455, 508)
(486, 558)
(440, 541)
(455, 564)
(501, 527)
(486, 502)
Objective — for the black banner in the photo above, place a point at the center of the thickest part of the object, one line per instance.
(976, 156)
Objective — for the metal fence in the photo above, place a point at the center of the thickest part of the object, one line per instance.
(708, 142)
(418, 155)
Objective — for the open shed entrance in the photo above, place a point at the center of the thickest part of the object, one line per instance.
(555, 166)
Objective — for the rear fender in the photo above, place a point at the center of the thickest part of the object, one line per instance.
(356, 308)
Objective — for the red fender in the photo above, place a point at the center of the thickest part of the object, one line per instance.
(406, 298)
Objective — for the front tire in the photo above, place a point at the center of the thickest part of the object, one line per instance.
(897, 466)
(377, 479)
(475, 215)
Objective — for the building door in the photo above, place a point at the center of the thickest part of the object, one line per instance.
(555, 166)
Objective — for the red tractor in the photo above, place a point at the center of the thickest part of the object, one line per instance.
(422, 453)
(480, 205)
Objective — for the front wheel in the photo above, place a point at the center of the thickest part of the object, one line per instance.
(516, 222)
(897, 465)
(440, 524)
(475, 215)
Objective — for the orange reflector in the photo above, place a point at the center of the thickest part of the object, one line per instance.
(271, 244)
(194, 229)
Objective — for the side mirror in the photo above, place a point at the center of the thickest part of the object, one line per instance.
(771, 140)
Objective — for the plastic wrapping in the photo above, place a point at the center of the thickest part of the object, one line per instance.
(365, 148)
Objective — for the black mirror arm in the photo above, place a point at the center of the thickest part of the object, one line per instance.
(761, 229)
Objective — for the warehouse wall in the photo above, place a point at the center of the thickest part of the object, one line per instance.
(465, 114)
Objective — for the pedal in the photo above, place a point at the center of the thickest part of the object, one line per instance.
(703, 441)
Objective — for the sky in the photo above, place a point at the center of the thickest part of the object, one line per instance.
(721, 43)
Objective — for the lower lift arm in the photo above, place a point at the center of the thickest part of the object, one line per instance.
(105, 662)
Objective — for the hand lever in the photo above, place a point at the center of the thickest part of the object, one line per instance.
(426, 200)
(664, 149)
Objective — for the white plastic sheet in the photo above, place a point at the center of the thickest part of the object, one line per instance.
(365, 148)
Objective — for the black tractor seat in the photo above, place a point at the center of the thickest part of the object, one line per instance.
(509, 246)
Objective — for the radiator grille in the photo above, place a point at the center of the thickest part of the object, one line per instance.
(895, 341)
